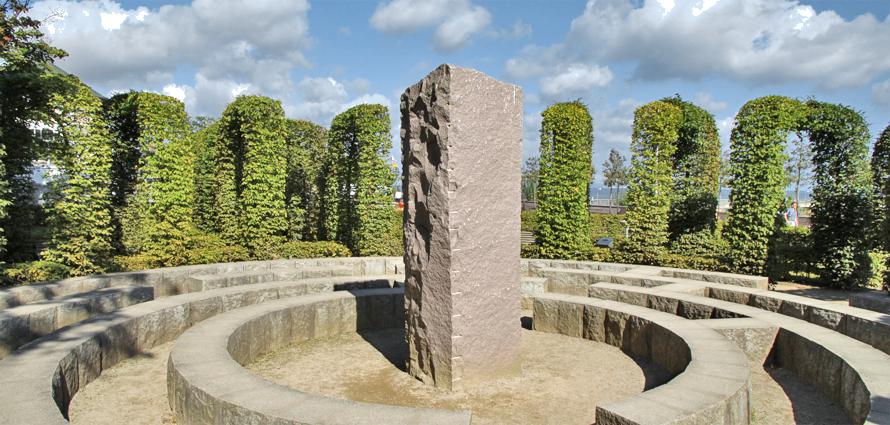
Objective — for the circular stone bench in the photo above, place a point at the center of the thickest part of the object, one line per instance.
(711, 382)
(38, 381)
(854, 374)
(207, 384)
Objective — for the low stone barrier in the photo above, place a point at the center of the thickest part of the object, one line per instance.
(38, 381)
(711, 376)
(24, 323)
(206, 363)
(878, 301)
(853, 373)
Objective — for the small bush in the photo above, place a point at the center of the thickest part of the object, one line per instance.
(878, 268)
(34, 271)
(530, 250)
(606, 226)
(699, 244)
(528, 221)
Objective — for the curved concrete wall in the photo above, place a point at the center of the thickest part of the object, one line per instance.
(206, 363)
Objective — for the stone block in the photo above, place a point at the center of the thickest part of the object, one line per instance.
(461, 149)
(871, 300)
(754, 337)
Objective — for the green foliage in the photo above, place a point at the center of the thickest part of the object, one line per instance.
(250, 161)
(842, 208)
(566, 149)
(702, 244)
(531, 171)
(656, 128)
(606, 226)
(880, 168)
(306, 145)
(206, 141)
(757, 178)
(25, 63)
(196, 248)
(528, 221)
(696, 172)
(152, 173)
(360, 137)
(878, 268)
(303, 249)
(791, 256)
(79, 210)
(34, 271)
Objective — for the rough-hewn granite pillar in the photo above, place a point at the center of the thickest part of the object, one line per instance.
(461, 152)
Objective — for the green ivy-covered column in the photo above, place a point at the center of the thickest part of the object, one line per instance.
(880, 168)
(565, 167)
(251, 165)
(757, 178)
(79, 211)
(306, 150)
(696, 173)
(361, 137)
(842, 207)
(152, 174)
(651, 187)
(205, 142)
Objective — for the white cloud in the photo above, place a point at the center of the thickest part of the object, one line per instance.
(174, 90)
(575, 80)
(456, 21)
(520, 29)
(881, 93)
(708, 103)
(233, 46)
(759, 41)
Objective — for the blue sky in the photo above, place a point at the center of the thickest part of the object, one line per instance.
(319, 57)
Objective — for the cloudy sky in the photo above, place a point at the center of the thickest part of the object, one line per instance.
(319, 57)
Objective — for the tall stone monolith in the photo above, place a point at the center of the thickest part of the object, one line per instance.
(461, 153)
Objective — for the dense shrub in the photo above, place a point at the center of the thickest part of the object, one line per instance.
(649, 196)
(35, 271)
(206, 141)
(704, 244)
(360, 138)
(791, 256)
(757, 168)
(303, 249)
(842, 197)
(606, 226)
(565, 171)
(879, 261)
(696, 172)
(79, 204)
(250, 171)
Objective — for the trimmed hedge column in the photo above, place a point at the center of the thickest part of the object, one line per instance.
(152, 173)
(79, 212)
(566, 149)
(361, 138)
(880, 168)
(251, 164)
(842, 207)
(650, 191)
(696, 173)
(757, 178)
(306, 150)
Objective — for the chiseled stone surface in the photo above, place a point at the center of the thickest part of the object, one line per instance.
(874, 301)
(754, 337)
(461, 148)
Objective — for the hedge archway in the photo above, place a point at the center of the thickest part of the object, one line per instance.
(842, 199)
(650, 191)
(696, 173)
(565, 167)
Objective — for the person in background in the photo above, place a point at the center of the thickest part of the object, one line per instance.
(791, 218)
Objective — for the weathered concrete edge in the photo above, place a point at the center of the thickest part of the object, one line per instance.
(38, 381)
(712, 382)
(853, 373)
(205, 363)
(20, 295)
